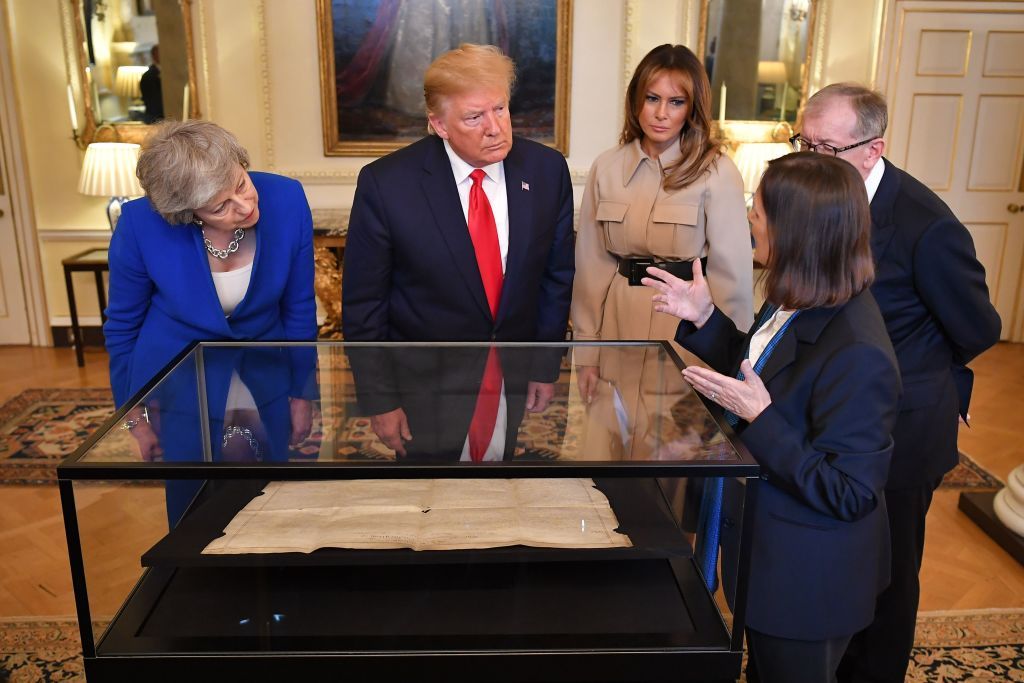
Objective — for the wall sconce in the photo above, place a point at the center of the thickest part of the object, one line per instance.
(109, 171)
(798, 10)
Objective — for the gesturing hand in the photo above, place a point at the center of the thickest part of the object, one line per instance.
(686, 299)
(393, 429)
(746, 399)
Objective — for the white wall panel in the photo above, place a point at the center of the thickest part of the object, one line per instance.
(998, 143)
(934, 124)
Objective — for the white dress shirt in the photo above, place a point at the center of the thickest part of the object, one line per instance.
(874, 179)
(765, 333)
(494, 188)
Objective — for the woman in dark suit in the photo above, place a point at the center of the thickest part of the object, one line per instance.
(213, 252)
(812, 391)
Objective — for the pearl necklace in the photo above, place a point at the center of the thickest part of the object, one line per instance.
(231, 248)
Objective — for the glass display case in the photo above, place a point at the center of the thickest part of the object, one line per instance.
(444, 512)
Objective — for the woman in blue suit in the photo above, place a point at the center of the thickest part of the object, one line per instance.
(812, 391)
(213, 252)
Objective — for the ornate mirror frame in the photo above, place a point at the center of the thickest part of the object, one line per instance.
(85, 128)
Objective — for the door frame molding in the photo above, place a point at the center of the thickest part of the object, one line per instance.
(17, 179)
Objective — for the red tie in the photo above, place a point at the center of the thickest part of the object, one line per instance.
(484, 234)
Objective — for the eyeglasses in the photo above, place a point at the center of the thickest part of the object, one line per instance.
(802, 145)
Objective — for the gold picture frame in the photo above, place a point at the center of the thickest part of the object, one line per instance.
(377, 106)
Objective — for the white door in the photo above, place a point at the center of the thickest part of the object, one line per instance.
(955, 88)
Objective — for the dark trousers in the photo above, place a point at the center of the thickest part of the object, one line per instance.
(881, 652)
(771, 659)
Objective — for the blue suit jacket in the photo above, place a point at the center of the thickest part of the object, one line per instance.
(820, 553)
(410, 269)
(162, 295)
(931, 290)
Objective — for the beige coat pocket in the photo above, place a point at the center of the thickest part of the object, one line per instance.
(672, 232)
(612, 216)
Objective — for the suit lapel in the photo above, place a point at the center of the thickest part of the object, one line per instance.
(882, 226)
(439, 186)
(520, 208)
(805, 329)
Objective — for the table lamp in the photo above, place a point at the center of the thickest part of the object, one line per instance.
(752, 159)
(126, 82)
(109, 171)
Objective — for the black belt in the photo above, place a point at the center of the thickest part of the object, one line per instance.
(633, 269)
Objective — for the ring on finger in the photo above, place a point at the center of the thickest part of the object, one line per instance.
(714, 395)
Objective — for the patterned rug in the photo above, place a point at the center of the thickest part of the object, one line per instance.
(964, 646)
(968, 646)
(40, 427)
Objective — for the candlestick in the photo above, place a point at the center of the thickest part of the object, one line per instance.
(184, 109)
(721, 105)
(71, 108)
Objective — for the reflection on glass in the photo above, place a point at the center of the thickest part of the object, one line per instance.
(138, 65)
(755, 53)
(237, 403)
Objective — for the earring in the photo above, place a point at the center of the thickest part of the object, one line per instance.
(197, 222)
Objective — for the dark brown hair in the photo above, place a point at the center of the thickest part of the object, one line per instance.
(699, 147)
(819, 225)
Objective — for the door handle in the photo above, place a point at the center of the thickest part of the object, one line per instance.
(1012, 208)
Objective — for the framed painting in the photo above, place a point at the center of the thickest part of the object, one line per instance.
(373, 54)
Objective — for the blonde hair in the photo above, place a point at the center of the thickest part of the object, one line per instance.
(184, 164)
(700, 148)
(468, 67)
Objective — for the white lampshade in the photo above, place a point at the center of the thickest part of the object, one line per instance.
(767, 72)
(752, 159)
(109, 170)
(126, 82)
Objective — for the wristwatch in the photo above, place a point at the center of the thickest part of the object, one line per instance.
(131, 424)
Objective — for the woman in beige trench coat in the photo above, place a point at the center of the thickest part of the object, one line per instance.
(666, 194)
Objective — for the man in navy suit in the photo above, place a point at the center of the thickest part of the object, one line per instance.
(417, 266)
(931, 290)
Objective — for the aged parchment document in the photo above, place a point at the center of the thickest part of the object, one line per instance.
(422, 514)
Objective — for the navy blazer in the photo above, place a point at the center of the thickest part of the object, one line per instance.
(162, 295)
(820, 553)
(931, 290)
(410, 269)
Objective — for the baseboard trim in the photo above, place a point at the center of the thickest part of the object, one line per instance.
(91, 334)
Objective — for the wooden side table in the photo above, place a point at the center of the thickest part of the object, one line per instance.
(94, 261)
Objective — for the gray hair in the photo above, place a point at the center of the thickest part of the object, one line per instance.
(872, 112)
(184, 164)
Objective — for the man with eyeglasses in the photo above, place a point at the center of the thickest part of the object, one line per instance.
(931, 290)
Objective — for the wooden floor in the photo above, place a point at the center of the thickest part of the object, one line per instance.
(962, 569)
